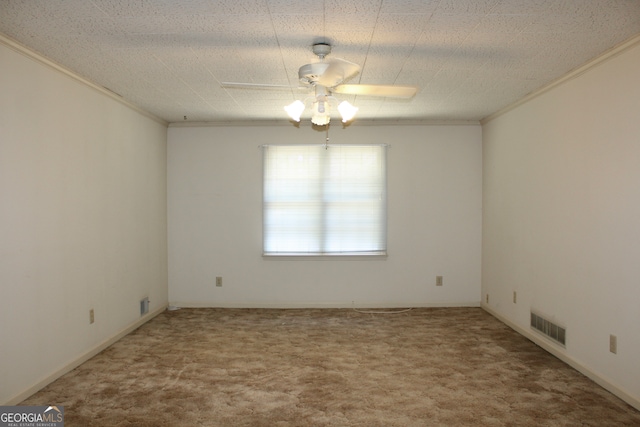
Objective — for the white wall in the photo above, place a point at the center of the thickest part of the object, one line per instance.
(561, 220)
(82, 220)
(215, 221)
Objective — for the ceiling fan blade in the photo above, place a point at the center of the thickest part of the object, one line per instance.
(377, 90)
(338, 71)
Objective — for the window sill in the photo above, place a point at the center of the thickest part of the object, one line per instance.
(315, 257)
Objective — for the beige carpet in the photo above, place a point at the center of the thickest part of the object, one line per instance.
(254, 367)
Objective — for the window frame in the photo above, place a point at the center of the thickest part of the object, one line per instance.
(380, 237)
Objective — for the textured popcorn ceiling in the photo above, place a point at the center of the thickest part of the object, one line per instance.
(470, 58)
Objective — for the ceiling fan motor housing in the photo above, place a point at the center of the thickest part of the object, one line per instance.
(311, 72)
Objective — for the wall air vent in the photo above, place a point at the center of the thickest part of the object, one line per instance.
(549, 329)
(144, 306)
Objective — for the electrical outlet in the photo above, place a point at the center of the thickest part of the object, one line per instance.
(515, 297)
(438, 280)
(487, 298)
(613, 344)
(219, 281)
(91, 317)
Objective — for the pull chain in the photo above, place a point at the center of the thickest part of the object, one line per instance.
(326, 141)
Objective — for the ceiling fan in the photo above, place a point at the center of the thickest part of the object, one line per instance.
(326, 78)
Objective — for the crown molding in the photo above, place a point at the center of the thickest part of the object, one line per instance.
(23, 50)
(307, 124)
(606, 56)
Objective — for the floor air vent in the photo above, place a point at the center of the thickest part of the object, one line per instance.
(551, 330)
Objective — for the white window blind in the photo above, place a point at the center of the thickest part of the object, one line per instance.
(321, 200)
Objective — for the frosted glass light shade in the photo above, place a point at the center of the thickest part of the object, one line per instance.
(294, 110)
(320, 113)
(347, 111)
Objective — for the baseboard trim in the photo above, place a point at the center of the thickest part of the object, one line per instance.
(561, 354)
(323, 305)
(83, 358)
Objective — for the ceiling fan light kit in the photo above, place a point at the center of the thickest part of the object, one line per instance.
(321, 106)
(327, 77)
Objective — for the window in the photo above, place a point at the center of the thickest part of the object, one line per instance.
(320, 200)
